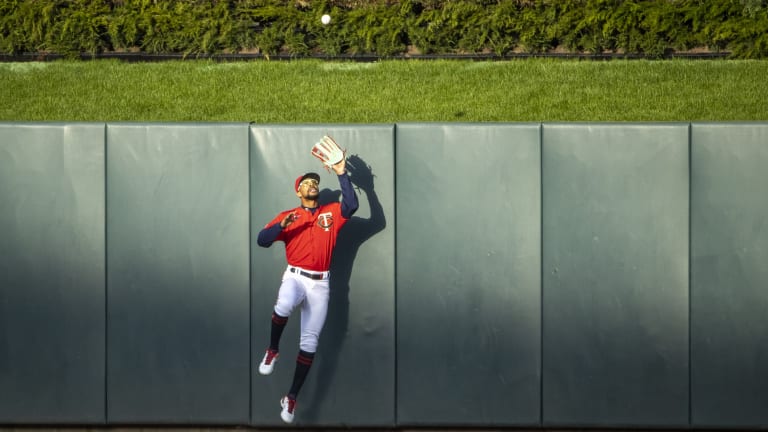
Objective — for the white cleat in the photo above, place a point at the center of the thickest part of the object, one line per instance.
(288, 405)
(268, 362)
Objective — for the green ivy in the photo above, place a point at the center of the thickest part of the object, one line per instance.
(384, 27)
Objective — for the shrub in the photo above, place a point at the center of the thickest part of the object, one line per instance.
(384, 27)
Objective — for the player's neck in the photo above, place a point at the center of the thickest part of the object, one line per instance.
(306, 203)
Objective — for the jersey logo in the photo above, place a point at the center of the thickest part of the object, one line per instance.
(325, 220)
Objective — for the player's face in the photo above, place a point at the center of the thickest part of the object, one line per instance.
(309, 188)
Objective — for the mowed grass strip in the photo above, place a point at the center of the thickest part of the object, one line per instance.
(314, 91)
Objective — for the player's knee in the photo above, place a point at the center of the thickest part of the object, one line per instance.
(283, 308)
(308, 342)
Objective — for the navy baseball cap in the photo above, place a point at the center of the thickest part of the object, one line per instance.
(301, 178)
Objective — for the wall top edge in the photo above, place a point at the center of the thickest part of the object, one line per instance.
(356, 125)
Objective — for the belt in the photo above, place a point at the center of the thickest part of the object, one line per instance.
(315, 276)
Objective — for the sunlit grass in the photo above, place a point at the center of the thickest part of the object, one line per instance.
(314, 91)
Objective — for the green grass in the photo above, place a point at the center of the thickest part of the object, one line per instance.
(314, 91)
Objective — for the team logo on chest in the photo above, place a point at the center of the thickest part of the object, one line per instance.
(325, 220)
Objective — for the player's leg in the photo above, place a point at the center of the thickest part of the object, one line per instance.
(290, 294)
(313, 313)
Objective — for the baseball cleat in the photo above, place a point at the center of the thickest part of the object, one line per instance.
(288, 405)
(268, 362)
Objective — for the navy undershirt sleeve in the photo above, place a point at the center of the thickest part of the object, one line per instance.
(349, 202)
(268, 235)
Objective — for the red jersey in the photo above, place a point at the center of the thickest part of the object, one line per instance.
(310, 239)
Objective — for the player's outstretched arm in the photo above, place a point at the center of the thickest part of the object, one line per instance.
(269, 234)
(349, 203)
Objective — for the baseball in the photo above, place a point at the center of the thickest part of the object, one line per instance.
(325, 19)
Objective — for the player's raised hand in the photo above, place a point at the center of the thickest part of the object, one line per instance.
(288, 219)
(330, 154)
(340, 168)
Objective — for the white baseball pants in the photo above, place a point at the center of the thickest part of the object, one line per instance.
(312, 295)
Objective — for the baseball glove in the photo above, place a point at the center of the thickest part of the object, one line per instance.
(328, 151)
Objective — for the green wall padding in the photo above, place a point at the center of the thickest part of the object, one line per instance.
(729, 270)
(52, 273)
(468, 274)
(352, 380)
(496, 275)
(177, 279)
(615, 274)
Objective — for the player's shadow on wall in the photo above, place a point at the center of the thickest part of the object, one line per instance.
(352, 236)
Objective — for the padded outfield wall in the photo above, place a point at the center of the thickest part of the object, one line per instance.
(497, 274)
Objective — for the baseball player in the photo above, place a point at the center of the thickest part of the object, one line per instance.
(309, 233)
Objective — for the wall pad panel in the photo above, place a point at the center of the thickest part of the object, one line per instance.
(178, 292)
(615, 274)
(468, 274)
(352, 378)
(52, 273)
(729, 252)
